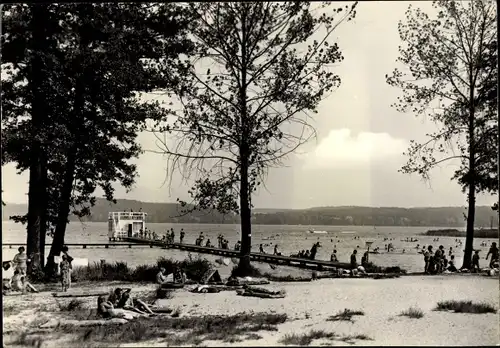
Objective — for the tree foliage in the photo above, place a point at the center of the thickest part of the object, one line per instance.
(259, 71)
(450, 77)
(102, 55)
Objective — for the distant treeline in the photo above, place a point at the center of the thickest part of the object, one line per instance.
(483, 233)
(330, 216)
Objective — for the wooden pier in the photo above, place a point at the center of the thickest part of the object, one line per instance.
(87, 245)
(259, 257)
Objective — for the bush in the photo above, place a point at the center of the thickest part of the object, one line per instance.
(119, 271)
(465, 307)
(345, 315)
(307, 338)
(370, 267)
(412, 312)
(252, 271)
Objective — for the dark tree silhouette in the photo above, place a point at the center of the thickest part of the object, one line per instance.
(102, 56)
(270, 64)
(447, 78)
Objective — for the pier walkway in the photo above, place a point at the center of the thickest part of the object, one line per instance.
(259, 257)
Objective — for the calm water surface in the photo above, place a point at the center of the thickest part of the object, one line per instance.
(290, 239)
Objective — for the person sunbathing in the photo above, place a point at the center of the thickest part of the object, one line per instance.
(106, 309)
(124, 300)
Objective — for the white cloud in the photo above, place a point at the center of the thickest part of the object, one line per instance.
(340, 148)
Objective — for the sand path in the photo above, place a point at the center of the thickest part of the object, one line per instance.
(309, 305)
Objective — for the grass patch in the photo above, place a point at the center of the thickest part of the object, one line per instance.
(71, 306)
(351, 338)
(194, 267)
(345, 315)
(307, 338)
(226, 329)
(465, 307)
(412, 312)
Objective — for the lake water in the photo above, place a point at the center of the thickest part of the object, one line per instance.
(290, 239)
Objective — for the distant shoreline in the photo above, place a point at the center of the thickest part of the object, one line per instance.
(450, 232)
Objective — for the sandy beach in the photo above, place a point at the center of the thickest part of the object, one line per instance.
(308, 305)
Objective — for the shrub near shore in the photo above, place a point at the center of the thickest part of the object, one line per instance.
(120, 271)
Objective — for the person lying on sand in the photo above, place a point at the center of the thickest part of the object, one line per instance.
(121, 298)
(106, 309)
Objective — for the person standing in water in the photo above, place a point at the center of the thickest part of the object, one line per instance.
(182, 235)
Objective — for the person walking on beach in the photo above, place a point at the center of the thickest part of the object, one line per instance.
(475, 261)
(427, 259)
(65, 273)
(20, 261)
(494, 254)
(261, 249)
(354, 262)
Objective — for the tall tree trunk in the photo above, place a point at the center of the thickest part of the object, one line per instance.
(471, 211)
(62, 211)
(245, 210)
(39, 114)
(246, 223)
(44, 202)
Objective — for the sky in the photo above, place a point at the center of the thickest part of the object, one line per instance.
(359, 148)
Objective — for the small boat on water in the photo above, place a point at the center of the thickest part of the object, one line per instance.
(348, 232)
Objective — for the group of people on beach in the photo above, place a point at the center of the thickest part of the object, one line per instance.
(307, 254)
(437, 262)
(19, 282)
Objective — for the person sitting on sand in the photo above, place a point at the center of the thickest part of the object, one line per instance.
(178, 276)
(18, 282)
(451, 264)
(276, 252)
(20, 261)
(333, 256)
(160, 276)
(354, 263)
(494, 254)
(123, 299)
(475, 261)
